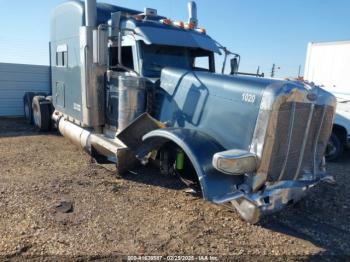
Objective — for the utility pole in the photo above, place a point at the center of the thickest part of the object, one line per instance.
(273, 70)
(299, 71)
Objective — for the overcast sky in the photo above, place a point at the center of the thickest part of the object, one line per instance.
(263, 32)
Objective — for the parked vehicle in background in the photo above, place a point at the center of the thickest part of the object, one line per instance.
(131, 86)
(328, 65)
(340, 137)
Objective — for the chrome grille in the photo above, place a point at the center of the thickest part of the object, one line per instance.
(301, 136)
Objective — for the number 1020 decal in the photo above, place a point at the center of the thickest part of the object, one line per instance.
(248, 98)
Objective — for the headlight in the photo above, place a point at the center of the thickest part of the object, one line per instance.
(235, 162)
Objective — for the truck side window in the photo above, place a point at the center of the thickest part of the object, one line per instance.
(127, 57)
(62, 58)
(202, 60)
(59, 59)
(201, 63)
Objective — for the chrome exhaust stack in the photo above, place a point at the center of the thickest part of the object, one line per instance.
(90, 13)
(192, 13)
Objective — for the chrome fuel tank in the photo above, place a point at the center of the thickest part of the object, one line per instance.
(131, 101)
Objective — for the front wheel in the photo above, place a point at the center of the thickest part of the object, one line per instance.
(334, 149)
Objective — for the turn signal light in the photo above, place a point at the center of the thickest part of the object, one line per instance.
(235, 162)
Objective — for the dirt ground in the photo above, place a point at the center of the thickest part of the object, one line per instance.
(145, 213)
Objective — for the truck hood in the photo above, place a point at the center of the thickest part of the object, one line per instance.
(224, 107)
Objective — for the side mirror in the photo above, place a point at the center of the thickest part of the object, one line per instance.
(115, 24)
(234, 66)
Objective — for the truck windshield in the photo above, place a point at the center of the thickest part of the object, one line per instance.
(157, 57)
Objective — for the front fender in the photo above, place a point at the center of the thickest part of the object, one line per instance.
(200, 149)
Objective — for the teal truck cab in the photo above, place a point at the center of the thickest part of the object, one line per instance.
(131, 86)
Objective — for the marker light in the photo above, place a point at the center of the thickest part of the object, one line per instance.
(179, 24)
(138, 17)
(189, 26)
(201, 30)
(166, 21)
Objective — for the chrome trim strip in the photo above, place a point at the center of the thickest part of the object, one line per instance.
(229, 197)
(270, 102)
(317, 140)
(306, 135)
(290, 133)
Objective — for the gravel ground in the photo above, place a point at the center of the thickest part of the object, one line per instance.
(145, 212)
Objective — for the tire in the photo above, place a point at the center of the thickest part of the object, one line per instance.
(41, 113)
(49, 99)
(27, 105)
(334, 149)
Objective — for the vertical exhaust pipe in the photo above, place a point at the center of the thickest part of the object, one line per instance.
(90, 13)
(192, 13)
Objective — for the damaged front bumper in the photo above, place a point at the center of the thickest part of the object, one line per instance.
(272, 198)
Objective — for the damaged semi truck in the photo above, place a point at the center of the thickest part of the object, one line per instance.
(133, 87)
